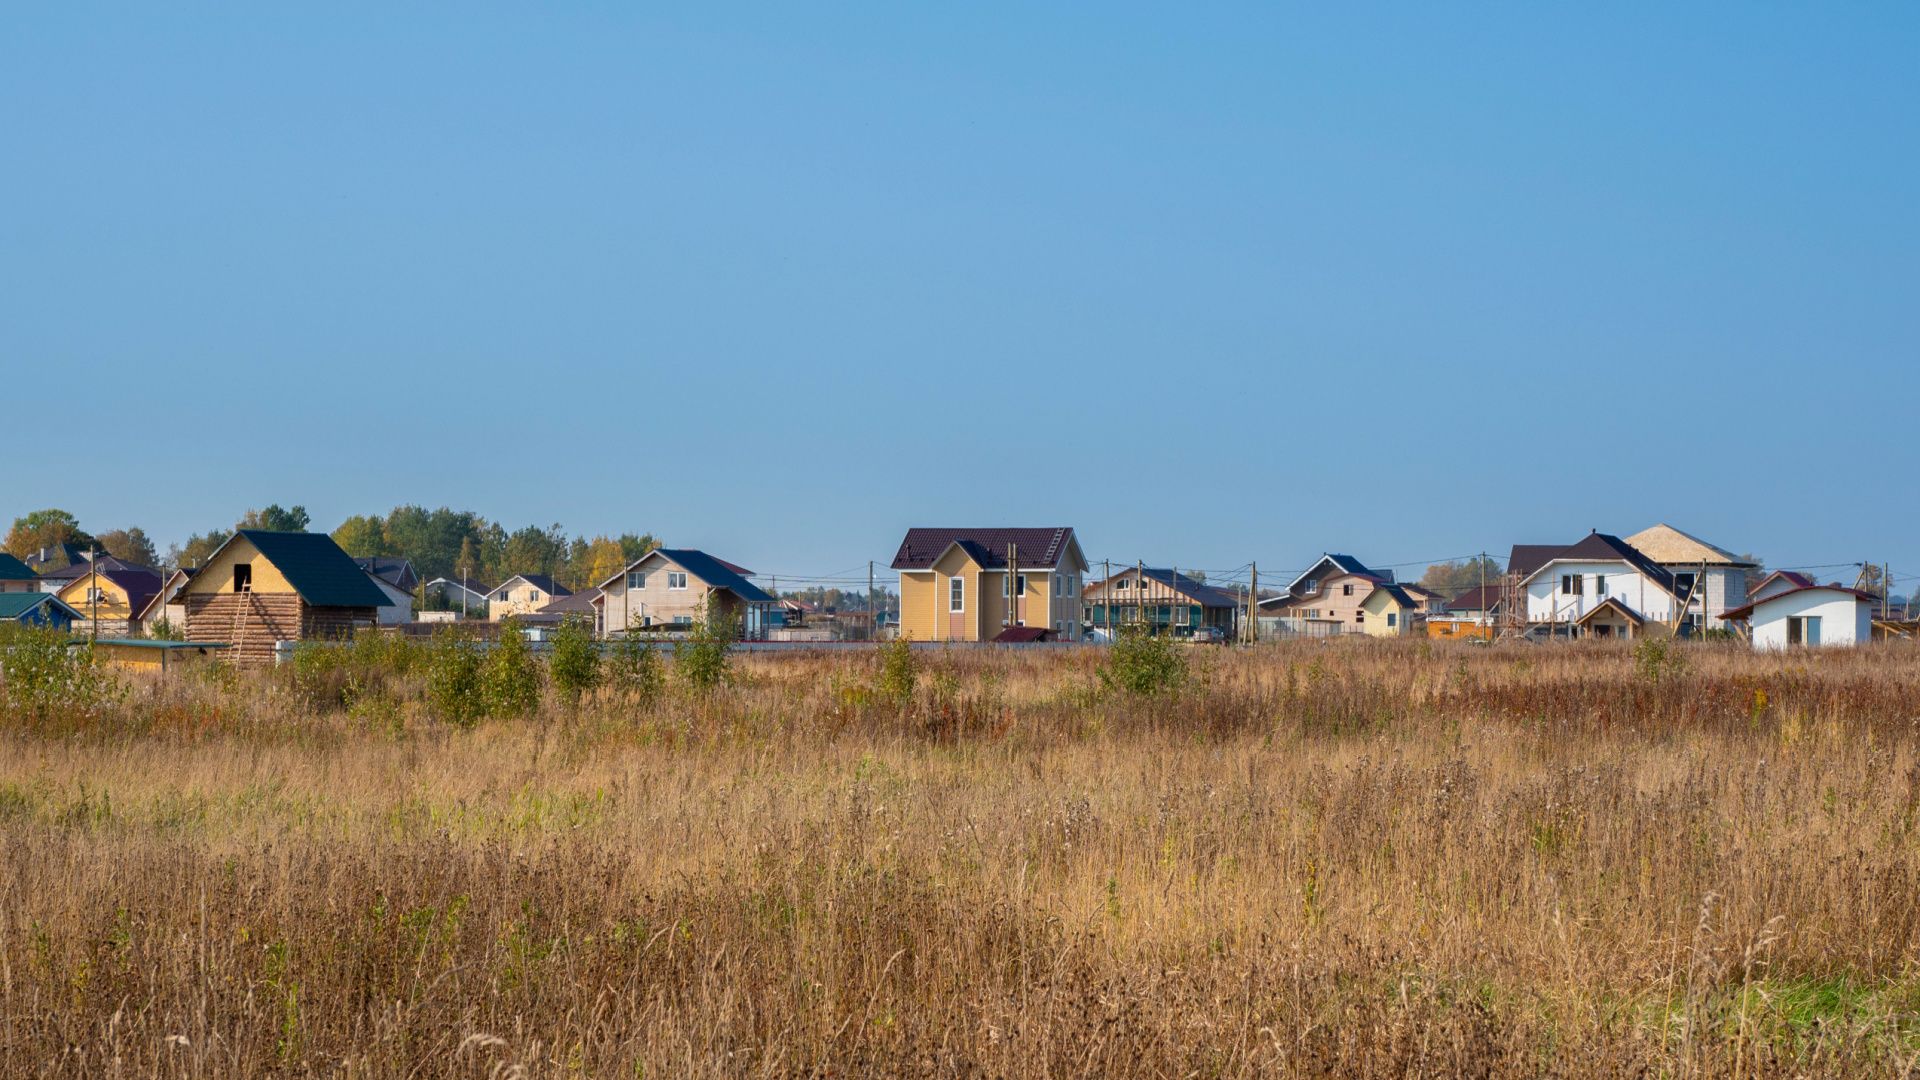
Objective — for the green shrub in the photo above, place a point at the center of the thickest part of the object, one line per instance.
(575, 665)
(899, 670)
(1142, 663)
(509, 676)
(634, 671)
(164, 630)
(44, 677)
(1657, 659)
(453, 677)
(704, 658)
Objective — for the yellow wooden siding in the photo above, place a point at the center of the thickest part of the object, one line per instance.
(113, 602)
(217, 576)
(920, 597)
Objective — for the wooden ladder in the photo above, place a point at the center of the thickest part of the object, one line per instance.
(240, 613)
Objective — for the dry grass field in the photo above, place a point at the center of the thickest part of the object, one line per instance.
(1351, 858)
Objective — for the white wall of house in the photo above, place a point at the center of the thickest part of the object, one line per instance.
(1845, 619)
(401, 608)
(1547, 603)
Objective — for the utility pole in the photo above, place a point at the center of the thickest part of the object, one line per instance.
(1482, 598)
(1886, 591)
(93, 595)
(1139, 592)
(1253, 604)
(873, 621)
(1013, 566)
(1106, 595)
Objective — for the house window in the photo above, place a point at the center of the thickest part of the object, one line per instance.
(683, 620)
(1566, 584)
(1599, 584)
(676, 580)
(1392, 620)
(1803, 629)
(637, 579)
(1347, 589)
(1359, 617)
(1058, 588)
(242, 577)
(957, 594)
(1122, 585)
(1180, 614)
(95, 594)
(1683, 583)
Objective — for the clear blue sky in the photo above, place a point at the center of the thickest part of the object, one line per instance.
(1209, 285)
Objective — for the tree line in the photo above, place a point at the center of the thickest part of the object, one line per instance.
(456, 544)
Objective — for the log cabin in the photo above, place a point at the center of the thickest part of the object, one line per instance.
(261, 588)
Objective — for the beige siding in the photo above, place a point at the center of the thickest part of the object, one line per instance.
(655, 605)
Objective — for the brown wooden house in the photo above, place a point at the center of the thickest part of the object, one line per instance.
(261, 588)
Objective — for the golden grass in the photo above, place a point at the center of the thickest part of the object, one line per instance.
(1348, 858)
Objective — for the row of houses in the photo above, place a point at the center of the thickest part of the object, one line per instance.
(1659, 582)
(263, 588)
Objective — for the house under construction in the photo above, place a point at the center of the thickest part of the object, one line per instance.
(261, 588)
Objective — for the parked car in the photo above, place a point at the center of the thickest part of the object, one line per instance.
(1210, 635)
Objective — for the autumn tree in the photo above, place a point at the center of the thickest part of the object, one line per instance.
(1450, 578)
(363, 536)
(44, 528)
(632, 547)
(276, 518)
(129, 545)
(605, 558)
(197, 550)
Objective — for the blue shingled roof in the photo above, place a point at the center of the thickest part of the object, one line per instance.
(717, 574)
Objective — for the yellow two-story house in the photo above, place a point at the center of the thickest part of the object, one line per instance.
(977, 584)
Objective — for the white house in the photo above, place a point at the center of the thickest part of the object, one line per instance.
(1808, 615)
(1599, 587)
(399, 605)
(167, 604)
(466, 597)
(1713, 580)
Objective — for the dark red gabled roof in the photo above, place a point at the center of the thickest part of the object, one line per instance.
(1792, 578)
(1038, 548)
(1477, 598)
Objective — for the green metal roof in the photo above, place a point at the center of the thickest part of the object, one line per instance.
(12, 569)
(154, 643)
(317, 568)
(15, 604)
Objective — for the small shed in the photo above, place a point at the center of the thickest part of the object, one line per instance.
(1808, 616)
(262, 587)
(147, 654)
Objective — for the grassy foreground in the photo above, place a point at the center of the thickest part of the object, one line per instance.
(1347, 858)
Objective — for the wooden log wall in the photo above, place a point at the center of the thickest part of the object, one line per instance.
(269, 617)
